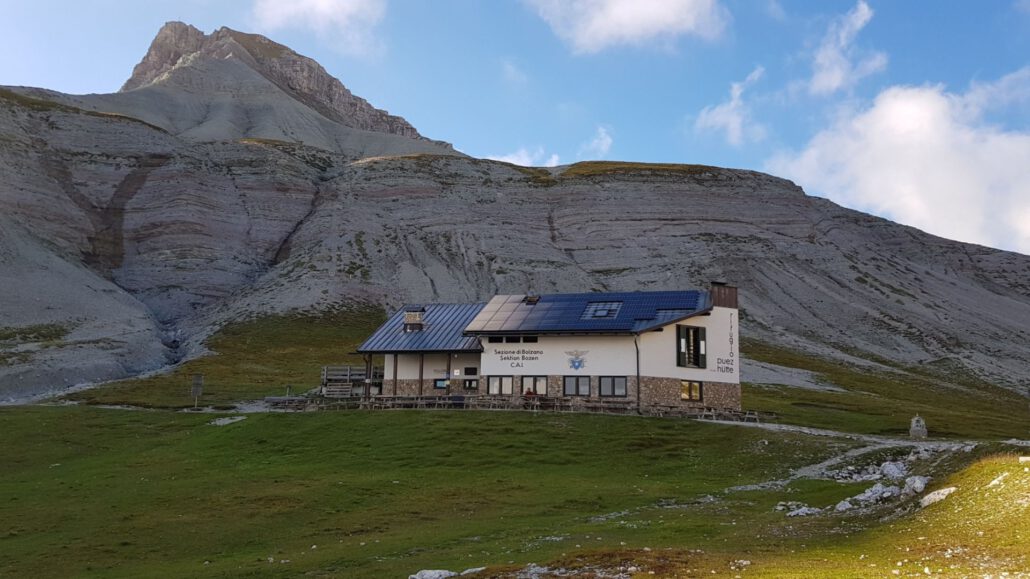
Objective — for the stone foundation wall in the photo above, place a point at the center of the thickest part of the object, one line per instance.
(403, 387)
(666, 391)
(722, 395)
(556, 388)
(653, 390)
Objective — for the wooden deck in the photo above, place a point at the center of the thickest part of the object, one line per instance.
(537, 404)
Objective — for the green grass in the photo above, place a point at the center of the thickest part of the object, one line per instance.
(978, 530)
(593, 168)
(33, 333)
(252, 359)
(44, 335)
(883, 402)
(45, 106)
(120, 493)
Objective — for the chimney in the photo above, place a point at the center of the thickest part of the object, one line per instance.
(413, 318)
(724, 295)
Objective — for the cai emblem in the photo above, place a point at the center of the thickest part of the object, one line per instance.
(576, 359)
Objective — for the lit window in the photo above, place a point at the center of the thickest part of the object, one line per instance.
(691, 390)
(471, 384)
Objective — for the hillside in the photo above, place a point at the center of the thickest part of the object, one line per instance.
(160, 494)
(233, 179)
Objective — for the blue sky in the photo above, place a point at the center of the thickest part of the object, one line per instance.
(916, 110)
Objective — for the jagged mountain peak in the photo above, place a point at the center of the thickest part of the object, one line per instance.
(173, 41)
(179, 46)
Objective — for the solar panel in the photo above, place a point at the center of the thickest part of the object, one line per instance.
(586, 312)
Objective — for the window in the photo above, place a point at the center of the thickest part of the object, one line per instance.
(512, 339)
(440, 383)
(499, 385)
(612, 385)
(495, 339)
(529, 339)
(691, 390)
(577, 386)
(471, 384)
(534, 384)
(690, 347)
(601, 310)
(471, 370)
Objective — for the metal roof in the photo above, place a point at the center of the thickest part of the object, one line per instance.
(442, 331)
(602, 313)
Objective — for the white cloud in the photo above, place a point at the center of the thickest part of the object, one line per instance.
(926, 157)
(593, 25)
(733, 117)
(775, 10)
(512, 74)
(528, 158)
(834, 65)
(347, 24)
(597, 147)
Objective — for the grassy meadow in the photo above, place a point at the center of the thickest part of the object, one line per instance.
(251, 360)
(101, 492)
(114, 493)
(883, 402)
(154, 493)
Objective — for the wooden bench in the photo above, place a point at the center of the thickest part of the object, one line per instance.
(334, 390)
(287, 402)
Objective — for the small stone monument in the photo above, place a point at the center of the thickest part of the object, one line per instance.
(918, 427)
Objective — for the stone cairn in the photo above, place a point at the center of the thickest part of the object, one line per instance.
(918, 427)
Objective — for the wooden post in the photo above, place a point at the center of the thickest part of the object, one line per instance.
(368, 375)
(421, 363)
(197, 389)
(395, 374)
(449, 355)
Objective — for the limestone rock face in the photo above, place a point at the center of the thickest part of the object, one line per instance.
(96, 330)
(230, 86)
(181, 45)
(219, 187)
(173, 41)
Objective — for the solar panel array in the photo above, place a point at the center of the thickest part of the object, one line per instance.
(626, 312)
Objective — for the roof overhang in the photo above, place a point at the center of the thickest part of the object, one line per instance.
(551, 333)
(664, 323)
(476, 351)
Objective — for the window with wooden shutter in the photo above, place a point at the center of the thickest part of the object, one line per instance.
(690, 347)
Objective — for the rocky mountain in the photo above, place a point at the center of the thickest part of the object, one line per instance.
(232, 178)
(232, 85)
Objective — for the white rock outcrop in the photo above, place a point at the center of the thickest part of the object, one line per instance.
(936, 496)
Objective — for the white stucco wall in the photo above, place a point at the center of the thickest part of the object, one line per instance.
(658, 349)
(434, 366)
(601, 355)
(616, 355)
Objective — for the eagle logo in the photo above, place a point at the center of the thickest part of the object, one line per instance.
(576, 359)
